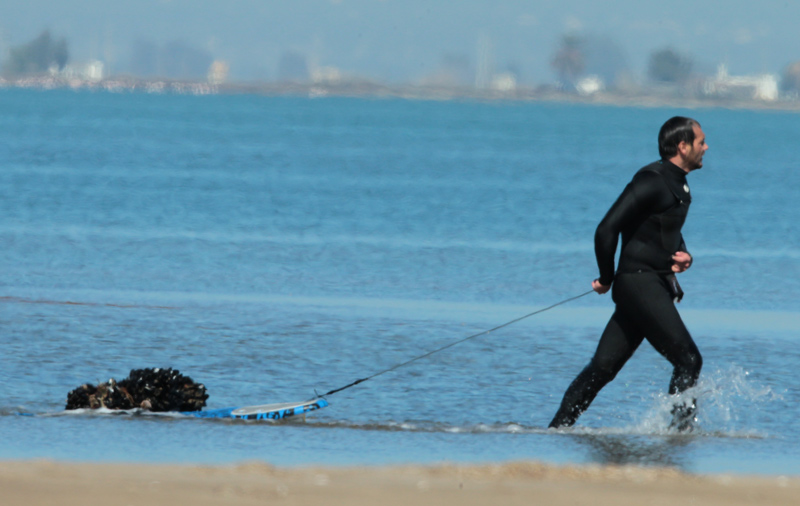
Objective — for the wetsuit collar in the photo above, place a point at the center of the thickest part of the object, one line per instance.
(673, 168)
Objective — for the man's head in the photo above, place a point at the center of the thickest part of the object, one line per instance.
(682, 141)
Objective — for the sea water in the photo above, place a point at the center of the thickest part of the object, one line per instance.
(275, 248)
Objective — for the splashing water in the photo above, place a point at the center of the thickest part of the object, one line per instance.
(725, 400)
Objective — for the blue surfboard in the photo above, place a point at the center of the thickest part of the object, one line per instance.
(277, 411)
(262, 412)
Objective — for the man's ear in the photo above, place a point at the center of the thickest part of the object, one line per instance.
(684, 148)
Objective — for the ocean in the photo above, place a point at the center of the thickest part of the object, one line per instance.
(275, 248)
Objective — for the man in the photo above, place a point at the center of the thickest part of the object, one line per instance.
(649, 215)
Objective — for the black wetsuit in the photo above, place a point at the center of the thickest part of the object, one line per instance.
(649, 215)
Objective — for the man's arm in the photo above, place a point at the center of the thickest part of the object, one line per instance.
(632, 205)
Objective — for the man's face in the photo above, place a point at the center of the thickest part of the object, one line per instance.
(694, 154)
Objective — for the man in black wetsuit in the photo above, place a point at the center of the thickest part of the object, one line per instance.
(649, 215)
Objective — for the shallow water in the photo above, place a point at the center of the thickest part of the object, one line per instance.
(273, 248)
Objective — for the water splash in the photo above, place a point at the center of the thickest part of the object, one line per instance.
(725, 400)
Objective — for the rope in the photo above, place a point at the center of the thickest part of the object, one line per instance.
(398, 366)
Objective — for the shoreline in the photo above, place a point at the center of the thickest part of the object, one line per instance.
(641, 98)
(28, 482)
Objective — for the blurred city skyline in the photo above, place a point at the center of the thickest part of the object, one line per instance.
(410, 41)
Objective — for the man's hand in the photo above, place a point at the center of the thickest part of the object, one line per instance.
(601, 289)
(681, 261)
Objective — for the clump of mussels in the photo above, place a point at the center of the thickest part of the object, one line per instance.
(151, 389)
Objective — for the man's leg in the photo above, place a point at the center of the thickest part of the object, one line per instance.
(617, 344)
(657, 315)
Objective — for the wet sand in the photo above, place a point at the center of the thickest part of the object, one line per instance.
(66, 484)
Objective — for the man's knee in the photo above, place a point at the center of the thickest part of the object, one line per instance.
(692, 363)
(602, 373)
(687, 372)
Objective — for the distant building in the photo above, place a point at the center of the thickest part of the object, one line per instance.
(326, 75)
(759, 87)
(91, 71)
(589, 85)
(218, 72)
(95, 70)
(504, 82)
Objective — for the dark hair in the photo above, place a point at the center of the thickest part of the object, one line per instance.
(676, 130)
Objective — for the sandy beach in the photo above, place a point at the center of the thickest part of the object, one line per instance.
(67, 484)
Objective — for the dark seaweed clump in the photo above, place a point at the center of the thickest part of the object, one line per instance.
(151, 389)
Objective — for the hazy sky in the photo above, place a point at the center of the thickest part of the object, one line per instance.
(405, 40)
